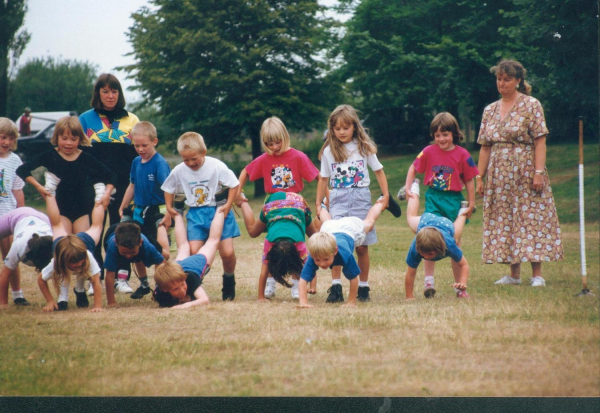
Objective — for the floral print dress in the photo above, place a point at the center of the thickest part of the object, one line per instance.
(519, 224)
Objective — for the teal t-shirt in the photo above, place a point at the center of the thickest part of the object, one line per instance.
(287, 215)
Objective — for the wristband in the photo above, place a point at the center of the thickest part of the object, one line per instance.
(540, 172)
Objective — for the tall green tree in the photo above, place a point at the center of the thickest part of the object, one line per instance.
(48, 84)
(12, 14)
(222, 67)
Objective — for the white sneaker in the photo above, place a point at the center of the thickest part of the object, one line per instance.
(507, 279)
(295, 293)
(464, 207)
(537, 282)
(122, 286)
(270, 288)
(90, 290)
(51, 182)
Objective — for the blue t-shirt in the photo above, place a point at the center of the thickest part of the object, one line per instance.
(344, 257)
(148, 177)
(446, 227)
(148, 254)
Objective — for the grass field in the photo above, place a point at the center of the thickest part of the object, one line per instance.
(503, 341)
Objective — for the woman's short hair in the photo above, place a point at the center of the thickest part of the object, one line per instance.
(430, 239)
(273, 130)
(514, 69)
(103, 80)
(322, 245)
(72, 124)
(8, 128)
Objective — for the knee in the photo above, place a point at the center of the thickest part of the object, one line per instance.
(362, 251)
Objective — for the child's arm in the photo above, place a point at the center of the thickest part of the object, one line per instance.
(51, 304)
(231, 195)
(253, 226)
(97, 294)
(262, 282)
(200, 298)
(470, 184)
(410, 177)
(39, 187)
(19, 196)
(353, 293)
(464, 274)
(383, 185)
(321, 189)
(127, 198)
(169, 204)
(243, 178)
(110, 289)
(409, 282)
(303, 291)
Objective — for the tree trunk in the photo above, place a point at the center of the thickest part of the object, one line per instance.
(254, 130)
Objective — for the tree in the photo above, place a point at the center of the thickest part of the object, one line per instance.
(47, 85)
(12, 14)
(221, 67)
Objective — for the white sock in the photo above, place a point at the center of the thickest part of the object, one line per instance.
(17, 294)
(64, 292)
(294, 282)
(80, 285)
(363, 283)
(414, 188)
(428, 278)
(271, 280)
(338, 281)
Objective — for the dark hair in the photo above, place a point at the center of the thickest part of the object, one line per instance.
(514, 69)
(40, 251)
(445, 122)
(284, 259)
(128, 234)
(112, 82)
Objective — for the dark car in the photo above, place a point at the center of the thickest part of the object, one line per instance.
(30, 146)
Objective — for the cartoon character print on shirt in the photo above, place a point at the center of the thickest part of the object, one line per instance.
(200, 195)
(282, 177)
(442, 177)
(347, 174)
(3, 191)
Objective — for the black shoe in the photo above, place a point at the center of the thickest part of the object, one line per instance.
(335, 294)
(82, 300)
(63, 306)
(394, 208)
(228, 289)
(142, 290)
(21, 301)
(363, 294)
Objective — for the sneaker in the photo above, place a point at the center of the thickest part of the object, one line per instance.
(82, 300)
(100, 190)
(63, 306)
(90, 290)
(179, 202)
(335, 294)
(537, 282)
(228, 289)
(402, 192)
(270, 289)
(429, 291)
(393, 207)
(21, 301)
(122, 286)
(142, 290)
(507, 279)
(295, 293)
(51, 182)
(462, 294)
(363, 294)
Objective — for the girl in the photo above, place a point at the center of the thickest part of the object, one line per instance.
(344, 157)
(11, 194)
(447, 167)
(282, 168)
(78, 172)
(73, 254)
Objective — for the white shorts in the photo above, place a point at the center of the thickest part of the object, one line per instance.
(353, 226)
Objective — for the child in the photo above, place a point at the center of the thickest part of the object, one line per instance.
(286, 217)
(199, 176)
(148, 172)
(446, 167)
(282, 168)
(435, 240)
(333, 246)
(11, 195)
(344, 159)
(73, 255)
(179, 283)
(78, 174)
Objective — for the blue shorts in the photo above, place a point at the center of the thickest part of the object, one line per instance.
(352, 202)
(87, 240)
(199, 220)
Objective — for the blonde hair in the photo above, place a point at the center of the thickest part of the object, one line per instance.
(322, 245)
(191, 141)
(72, 124)
(70, 249)
(514, 69)
(445, 122)
(345, 114)
(430, 239)
(144, 128)
(8, 128)
(167, 273)
(273, 130)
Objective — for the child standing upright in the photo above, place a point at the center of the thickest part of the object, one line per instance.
(200, 176)
(447, 167)
(282, 168)
(345, 156)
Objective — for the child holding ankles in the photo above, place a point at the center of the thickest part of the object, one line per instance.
(334, 245)
(434, 241)
(200, 176)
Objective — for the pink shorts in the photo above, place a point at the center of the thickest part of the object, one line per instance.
(300, 247)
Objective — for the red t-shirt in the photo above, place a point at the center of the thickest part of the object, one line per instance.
(283, 173)
(24, 129)
(446, 170)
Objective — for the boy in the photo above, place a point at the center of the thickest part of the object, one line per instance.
(124, 243)
(200, 176)
(179, 283)
(148, 172)
(434, 241)
(333, 246)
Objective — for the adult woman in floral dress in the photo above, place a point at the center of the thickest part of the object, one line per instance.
(519, 216)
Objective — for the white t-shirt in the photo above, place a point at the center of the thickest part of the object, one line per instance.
(48, 271)
(352, 172)
(9, 181)
(200, 186)
(24, 229)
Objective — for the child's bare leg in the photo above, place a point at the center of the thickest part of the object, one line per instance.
(163, 239)
(227, 254)
(67, 224)
(209, 249)
(96, 228)
(336, 273)
(372, 216)
(325, 215)
(412, 212)
(364, 262)
(58, 229)
(15, 275)
(183, 246)
(81, 224)
(195, 246)
(459, 225)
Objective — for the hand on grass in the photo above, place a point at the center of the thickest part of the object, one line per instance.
(349, 305)
(312, 291)
(113, 305)
(262, 300)
(50, 307)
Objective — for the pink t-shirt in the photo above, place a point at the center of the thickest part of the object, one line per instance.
(446, 170)
(283, 173)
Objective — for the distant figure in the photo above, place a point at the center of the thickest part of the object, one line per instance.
(25, 123)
